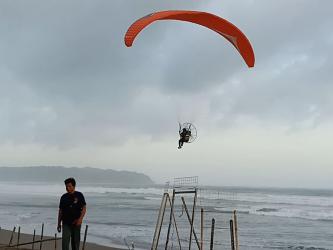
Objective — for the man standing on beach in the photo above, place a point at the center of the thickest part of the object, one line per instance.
(72, 209)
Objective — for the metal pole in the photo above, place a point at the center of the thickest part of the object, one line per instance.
(41, 237)
(232, 235)
(201, 231)
(189, 220)
(85, 237)
(33, 240)
(170, 219)
(11, 237)
(212, 235)
(236, 231)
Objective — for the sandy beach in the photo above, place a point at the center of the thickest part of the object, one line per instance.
(5, 236)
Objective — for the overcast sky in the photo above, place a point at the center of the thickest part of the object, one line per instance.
(72, 94)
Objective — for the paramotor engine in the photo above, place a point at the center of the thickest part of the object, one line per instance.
(191, 131)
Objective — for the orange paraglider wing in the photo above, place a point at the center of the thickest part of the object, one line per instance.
(213, 22)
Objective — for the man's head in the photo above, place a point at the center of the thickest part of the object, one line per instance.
(70, 185)
(184, 129)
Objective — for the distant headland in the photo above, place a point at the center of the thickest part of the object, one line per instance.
(87, 175)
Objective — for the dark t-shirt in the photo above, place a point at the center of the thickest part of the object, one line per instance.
(71, 206)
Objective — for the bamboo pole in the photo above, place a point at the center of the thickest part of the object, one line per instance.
(41, 237)
(170, 219)
(192, 219)
(33, 240)
(85, 237)
(174, 221)
(232, 235)
(159, 222)
(212, 235)
(55, 241)
(11, 237)
(236, 231)
(201, 231)
(189, 220)
(29, 243)
(18, 236)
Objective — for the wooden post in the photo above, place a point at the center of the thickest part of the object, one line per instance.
(41, 238)
(201, 231)
(18, 237)
(85, 237)
(55, 241)
(212, 235)
(232, 235)
(236, 231)
(33, 240)
(11, 237)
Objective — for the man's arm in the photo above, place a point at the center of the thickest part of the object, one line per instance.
(59, 220)
(83, 212)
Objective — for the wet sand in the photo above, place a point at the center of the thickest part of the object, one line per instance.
(5, 236)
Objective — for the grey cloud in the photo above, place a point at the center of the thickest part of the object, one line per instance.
(67, 78)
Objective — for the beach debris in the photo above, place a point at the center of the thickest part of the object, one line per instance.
(130, 247)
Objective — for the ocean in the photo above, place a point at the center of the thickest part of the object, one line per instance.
(268, 218)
